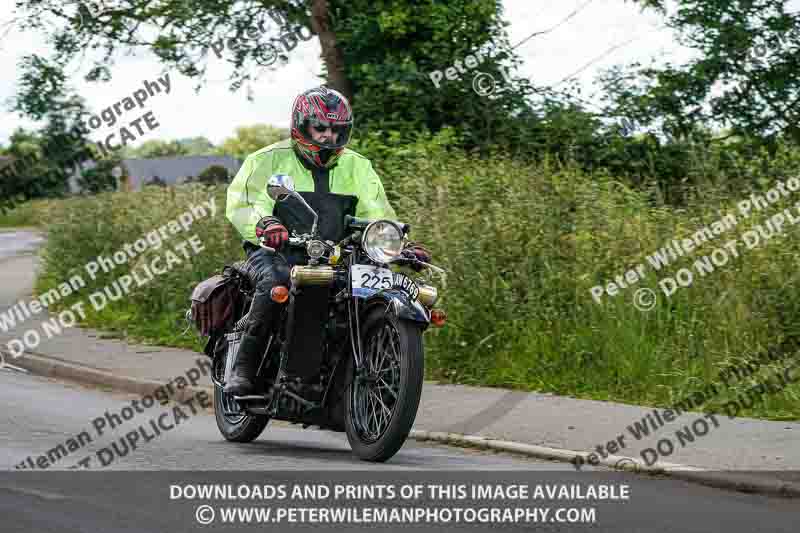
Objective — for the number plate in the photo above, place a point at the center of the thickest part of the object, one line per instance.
(406, 284)
(369, 279)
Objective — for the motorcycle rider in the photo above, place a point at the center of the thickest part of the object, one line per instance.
(332, 179)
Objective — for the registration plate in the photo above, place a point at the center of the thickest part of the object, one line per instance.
(369, 279)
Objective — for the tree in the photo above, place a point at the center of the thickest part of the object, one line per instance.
(400, 58)
(158, 148)
(248, 139)
(187, 30)
(99, 177)
(46, 160)
(332, 54)
(174, 148)
(380, 53)
(743, 79)
(196, 145)
(18, 176)
(214, 174)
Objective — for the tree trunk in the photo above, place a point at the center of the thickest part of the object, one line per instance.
(331, 54)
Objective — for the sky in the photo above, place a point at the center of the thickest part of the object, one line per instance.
(598, 35)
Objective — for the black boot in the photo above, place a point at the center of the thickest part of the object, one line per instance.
(243, 373)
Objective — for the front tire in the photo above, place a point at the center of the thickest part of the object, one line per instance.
(381, 406)
(241, 427)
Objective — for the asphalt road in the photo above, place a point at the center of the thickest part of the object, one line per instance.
(14, 243)
(40, 413)
(62, 411)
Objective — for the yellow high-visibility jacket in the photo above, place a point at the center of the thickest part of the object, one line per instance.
(350, 187)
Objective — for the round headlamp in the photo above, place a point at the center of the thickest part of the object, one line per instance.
(315, 249)
(383, 241)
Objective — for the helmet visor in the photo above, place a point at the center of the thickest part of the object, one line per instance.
(327, 134)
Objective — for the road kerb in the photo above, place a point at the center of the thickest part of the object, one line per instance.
(717, 479)
(49, 367)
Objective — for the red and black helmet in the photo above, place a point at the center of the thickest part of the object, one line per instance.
(321, 108)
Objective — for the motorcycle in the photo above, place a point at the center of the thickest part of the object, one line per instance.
(346, 353)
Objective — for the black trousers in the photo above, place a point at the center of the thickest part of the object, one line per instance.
(265, 270)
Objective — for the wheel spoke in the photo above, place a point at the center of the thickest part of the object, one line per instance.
(389, 388)
(378, 343)
(383, 371)
(367, 417)
(383, 345)
(361, 408)
(369, 355)
(382, 336)
(362, 411)
(377, 394)
(374, 414)
(395, 352)
(379, 420)
(383, 406)
(368, 411)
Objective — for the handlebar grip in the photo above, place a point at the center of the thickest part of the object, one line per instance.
(350, 222)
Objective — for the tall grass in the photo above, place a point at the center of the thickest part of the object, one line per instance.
(88, 227)
(28, 215)
(523, 245)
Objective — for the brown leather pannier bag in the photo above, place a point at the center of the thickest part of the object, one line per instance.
(213, 303)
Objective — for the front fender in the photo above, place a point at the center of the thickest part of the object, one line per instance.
(398, 303)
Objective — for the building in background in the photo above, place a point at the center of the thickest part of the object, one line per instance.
(171, 170)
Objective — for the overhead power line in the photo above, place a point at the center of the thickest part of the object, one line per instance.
(568, 17)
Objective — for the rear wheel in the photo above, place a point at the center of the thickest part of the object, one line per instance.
(234, 424)
(381, 404)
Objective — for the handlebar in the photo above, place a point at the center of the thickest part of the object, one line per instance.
(355, 222)
(350, 222)
(362, 223)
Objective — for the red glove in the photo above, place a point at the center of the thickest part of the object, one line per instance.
(271, 232)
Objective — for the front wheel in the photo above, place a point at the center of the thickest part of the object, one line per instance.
(381, 404)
